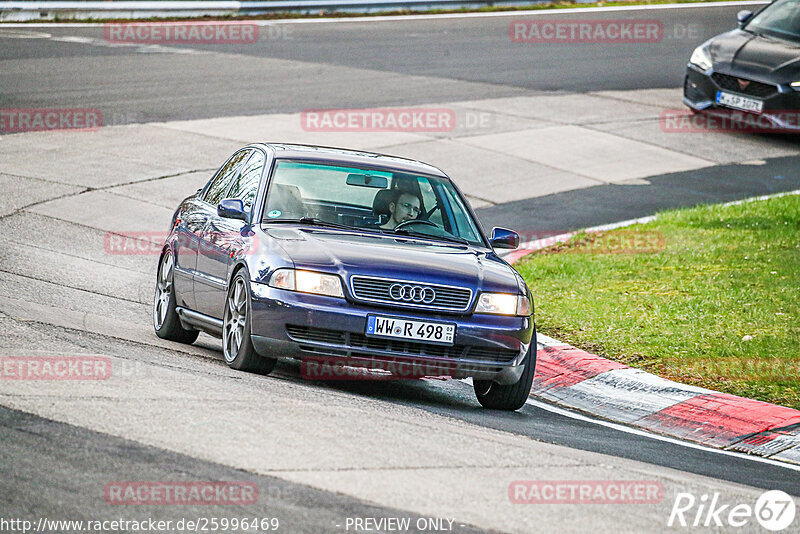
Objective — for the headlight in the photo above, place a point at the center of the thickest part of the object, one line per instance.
(503, 304)
(307, 282)
(795, 86)
(701, 57)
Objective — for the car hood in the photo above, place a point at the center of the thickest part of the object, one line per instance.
(763, 58)
(401, 258)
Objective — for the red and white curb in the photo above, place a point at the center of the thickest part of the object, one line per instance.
(573, 378)
(579, 380)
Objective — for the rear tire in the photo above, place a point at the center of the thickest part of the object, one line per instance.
(238, 349)
(166, 322)
(511, 397)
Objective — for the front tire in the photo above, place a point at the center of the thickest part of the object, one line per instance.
(236, 343)
(166, 322)
(511, 397)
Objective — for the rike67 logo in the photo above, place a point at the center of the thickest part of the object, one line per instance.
(774, 510)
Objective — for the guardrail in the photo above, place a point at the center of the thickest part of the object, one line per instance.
(28, 10)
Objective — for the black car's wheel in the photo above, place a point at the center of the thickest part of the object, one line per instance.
(512, 397)
(165, 318)
(236, 343)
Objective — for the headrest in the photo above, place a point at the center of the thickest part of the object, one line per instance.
(286, 199)
(287, 190)
(380, 206)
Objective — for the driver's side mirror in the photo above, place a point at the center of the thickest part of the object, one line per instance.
(232, 208)
(743, 16)
(504, 238)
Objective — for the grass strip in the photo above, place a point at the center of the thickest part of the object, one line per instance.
(708, 296)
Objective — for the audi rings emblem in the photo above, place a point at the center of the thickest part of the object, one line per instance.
(409, 293)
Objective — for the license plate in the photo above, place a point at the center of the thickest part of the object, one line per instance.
(739, 102)
(394, 327)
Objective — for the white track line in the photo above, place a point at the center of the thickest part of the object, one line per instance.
(762, 197)
(390, 18)
(545, 242)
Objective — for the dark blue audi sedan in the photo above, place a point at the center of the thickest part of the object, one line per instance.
(319, 253)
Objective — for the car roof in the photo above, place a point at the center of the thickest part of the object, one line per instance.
(357, 158)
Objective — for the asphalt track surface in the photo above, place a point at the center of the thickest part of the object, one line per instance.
(80, 463)
(56, 468)
(341, 65)
(556, 213)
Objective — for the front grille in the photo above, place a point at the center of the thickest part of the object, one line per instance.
(731, 83)
(355, 344)
(448, 298)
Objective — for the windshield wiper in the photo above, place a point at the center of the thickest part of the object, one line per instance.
(313, 221)
(453, 239)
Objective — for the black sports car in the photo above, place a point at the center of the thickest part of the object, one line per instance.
(754, 69)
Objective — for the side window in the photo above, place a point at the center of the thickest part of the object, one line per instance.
(463, 226)
(245, 186)
(219, 184)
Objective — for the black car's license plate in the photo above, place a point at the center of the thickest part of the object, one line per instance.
(399, 328)
(740, 102)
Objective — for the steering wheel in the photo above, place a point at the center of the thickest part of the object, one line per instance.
(415, 221)
(427, 215)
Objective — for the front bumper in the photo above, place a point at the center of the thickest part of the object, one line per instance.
(300, 325)
(781, 110)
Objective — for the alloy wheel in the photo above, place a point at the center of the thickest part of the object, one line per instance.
(235, 320)
(163, 292)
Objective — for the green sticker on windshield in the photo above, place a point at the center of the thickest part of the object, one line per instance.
(274, 213)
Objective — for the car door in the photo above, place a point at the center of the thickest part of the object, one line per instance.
(224, 237)
(190, 223)
(209, 284)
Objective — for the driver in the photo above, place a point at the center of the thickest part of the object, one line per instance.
(405, 207)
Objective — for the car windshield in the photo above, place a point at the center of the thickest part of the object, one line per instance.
(781, 20)
(371, 200)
